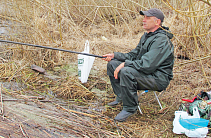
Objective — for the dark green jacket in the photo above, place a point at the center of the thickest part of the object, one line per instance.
(153, 55)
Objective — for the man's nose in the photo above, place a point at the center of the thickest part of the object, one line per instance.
(144, 20)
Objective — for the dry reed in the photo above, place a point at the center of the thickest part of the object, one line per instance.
(68, 24)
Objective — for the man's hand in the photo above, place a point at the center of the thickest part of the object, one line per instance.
(108, 57)
(118, 69)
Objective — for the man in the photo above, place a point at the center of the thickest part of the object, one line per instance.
(147, 67)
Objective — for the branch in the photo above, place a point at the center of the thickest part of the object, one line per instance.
(2, 107)
(206, 1)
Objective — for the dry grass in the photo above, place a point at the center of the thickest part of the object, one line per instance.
(68, 24)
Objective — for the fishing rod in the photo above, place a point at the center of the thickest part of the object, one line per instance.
(6, 41)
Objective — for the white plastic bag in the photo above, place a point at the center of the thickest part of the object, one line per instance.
(85, 64)
(179, 128)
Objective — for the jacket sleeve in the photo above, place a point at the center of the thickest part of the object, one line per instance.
(159, 50)
(128, 56)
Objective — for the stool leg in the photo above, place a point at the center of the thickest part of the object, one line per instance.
(139, 109)
(158, 100)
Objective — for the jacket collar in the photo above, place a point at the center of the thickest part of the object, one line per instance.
(151, 33)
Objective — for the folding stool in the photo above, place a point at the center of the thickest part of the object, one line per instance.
(157, 97)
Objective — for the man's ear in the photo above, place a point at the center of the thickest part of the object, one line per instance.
(158, 22)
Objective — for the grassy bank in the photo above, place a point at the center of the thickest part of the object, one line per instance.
(109, 26)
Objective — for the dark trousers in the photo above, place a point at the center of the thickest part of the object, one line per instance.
(128, 82)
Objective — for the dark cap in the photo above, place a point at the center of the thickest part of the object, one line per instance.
(154, 12)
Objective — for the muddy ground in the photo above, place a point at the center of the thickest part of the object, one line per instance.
(29, 113)
(44, 116)
(32, 114)
(80, 110)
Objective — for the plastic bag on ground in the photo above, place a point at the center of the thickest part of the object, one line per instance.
(85, 64)
(191, 126)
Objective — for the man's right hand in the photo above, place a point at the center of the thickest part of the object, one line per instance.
(108, 57)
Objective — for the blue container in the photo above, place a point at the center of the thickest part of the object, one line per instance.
(194, 123)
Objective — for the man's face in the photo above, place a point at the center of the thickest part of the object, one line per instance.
(150, 23)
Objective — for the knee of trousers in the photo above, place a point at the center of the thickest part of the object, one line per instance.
(111, 66)
(127, 78)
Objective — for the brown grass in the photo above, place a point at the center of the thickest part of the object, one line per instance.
(68, 24)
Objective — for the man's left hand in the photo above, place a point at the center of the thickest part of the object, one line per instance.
(118, 69)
